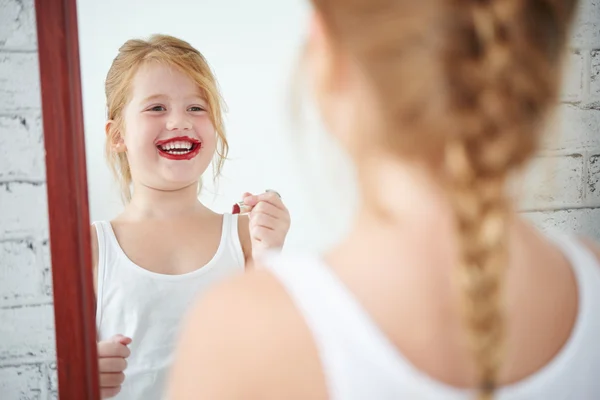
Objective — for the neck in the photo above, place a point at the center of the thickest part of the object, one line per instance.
(404, 194)
(404, 209)
(148, 202)
(400, 203)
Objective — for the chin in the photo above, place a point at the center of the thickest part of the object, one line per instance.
(172, 185)
(182, 174)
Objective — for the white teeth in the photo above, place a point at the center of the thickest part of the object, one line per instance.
(181, 146)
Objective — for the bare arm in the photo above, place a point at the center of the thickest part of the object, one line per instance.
(94, 239)
(244, 234)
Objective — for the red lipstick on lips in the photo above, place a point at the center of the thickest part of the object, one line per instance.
(179, 148)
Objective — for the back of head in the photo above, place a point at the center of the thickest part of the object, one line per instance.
(464, 86)
(175, 53)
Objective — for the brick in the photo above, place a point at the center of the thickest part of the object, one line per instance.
(24, 208)
(21, 147)
(22, 382)
(586, 33)
(21, 278)
(52, 377)
(554, 182)
(573, 78)
(595, 77)
(573, 129)
(46, 268)
(27, 332)
(583, 221)
(17, 25)
(19, 81)
(593, 184)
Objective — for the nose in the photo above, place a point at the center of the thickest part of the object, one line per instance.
(178, 121)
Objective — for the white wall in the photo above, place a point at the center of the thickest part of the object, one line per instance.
(253, 48)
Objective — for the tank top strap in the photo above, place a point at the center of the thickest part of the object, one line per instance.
(580, 256)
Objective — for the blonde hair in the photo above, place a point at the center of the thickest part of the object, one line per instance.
(178, 54)
(465, 85)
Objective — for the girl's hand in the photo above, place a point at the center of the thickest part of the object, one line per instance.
(111, 364)
(269, 221)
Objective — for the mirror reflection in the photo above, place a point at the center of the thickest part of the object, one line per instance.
(189, 138)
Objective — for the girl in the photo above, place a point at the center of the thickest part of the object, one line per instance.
(164, 127)
(440, 290)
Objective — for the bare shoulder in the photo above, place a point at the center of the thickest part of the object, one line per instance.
(246, 330)
(592, 245)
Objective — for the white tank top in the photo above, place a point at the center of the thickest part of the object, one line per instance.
(359, 361)
(148, 306)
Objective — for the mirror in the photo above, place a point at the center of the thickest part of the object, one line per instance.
(252, 54)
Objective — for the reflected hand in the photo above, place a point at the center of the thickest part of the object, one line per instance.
(269, 221)
(111, 364)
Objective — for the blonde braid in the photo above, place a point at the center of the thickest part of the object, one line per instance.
(478, 163)
(481, 210)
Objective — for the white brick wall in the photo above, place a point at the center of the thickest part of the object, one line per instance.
(563, 189)
(27, 355)
(562, 186)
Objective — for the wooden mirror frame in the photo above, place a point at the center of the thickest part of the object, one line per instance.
(62, 111)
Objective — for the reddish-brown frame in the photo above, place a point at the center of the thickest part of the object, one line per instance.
(58, 48)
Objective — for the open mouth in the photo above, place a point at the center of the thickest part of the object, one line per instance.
(179, 148)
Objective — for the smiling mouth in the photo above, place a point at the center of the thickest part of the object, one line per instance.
(181, 148)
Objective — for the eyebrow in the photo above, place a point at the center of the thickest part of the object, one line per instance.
(163, 96)
(154, 97)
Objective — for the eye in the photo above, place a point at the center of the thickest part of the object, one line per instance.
(157, 108)
(196, 108)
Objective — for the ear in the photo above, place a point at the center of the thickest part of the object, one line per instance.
(318, 54)
(316, 26)
(328, 64)
(114, 136)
